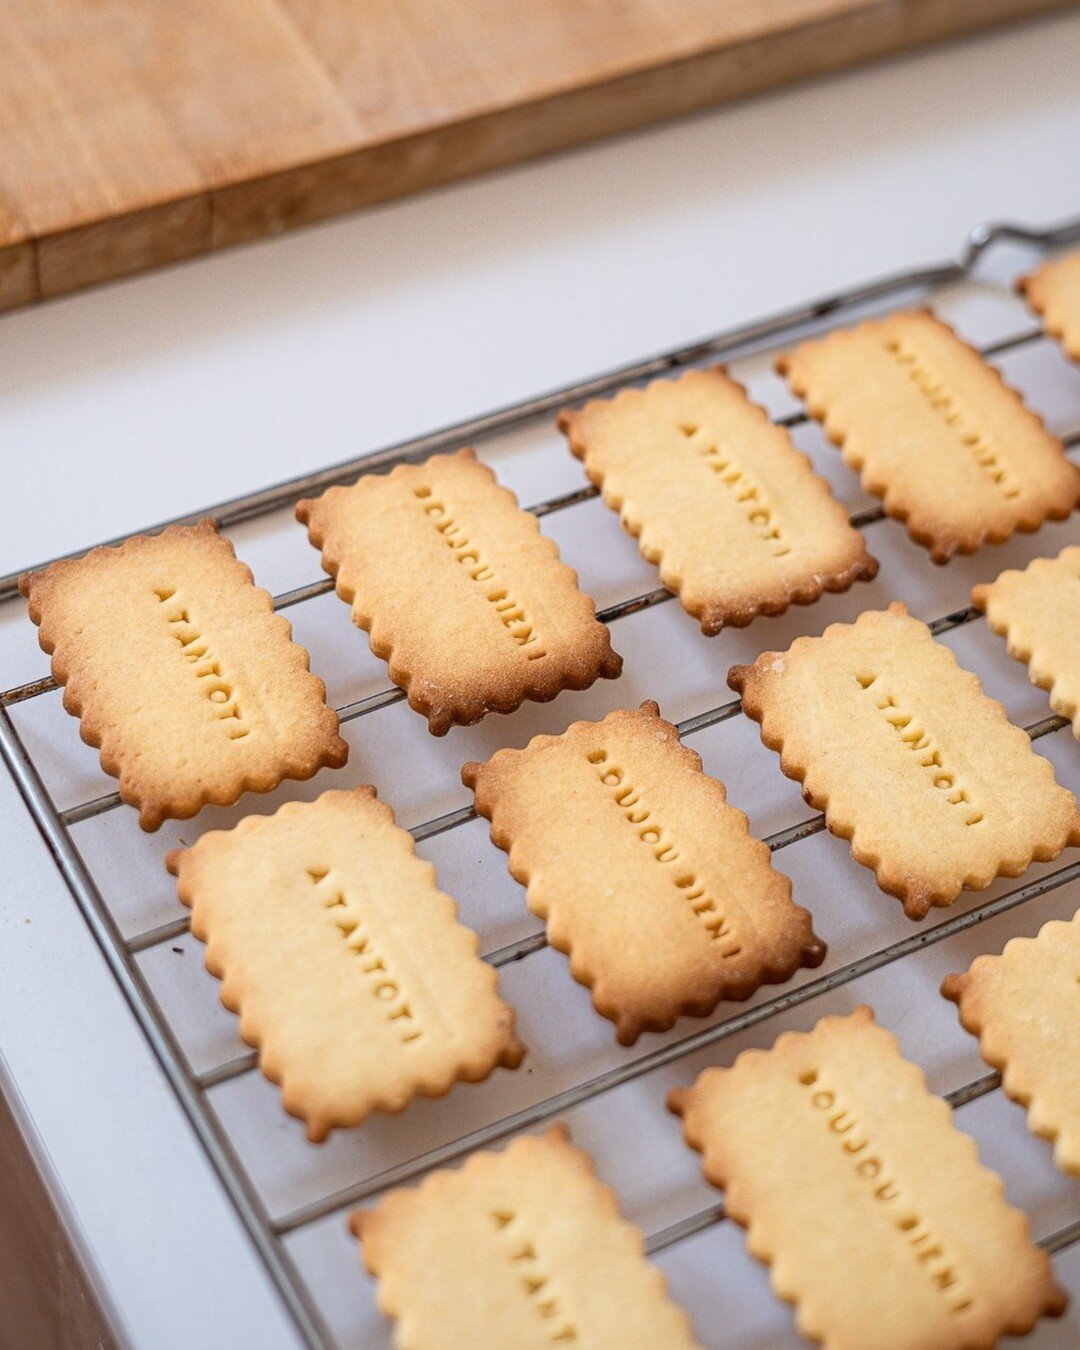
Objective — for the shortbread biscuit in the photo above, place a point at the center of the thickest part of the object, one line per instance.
(181, 673)
(524, 1249)
(458, 589)
(908, 758)
(644, 874)
(716, 495)
(934, 431)
(1024, 1006)
(1037, 612)
(1053, 292)
(872, 1209)
(351, 974)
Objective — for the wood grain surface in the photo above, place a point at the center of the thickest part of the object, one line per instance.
(137, 132)
(45, 1298)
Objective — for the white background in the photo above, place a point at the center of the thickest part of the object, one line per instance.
(151, 397)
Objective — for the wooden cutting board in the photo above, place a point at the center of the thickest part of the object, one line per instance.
(136, 132)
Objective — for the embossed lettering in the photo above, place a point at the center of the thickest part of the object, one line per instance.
(206, 667)
(928, 1252)
(943, 402)
(655, 837)
(760, 515)
(922, 745)
(382, 982)
(513, 616)
(536, 1280)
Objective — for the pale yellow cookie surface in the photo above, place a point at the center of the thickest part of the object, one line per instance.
(907, 757)
(1037, 612)
(1053, 292)
(643, 873)
(934, 431)
(1024, 1006)
(459, 591)
(181, 673)
(718, 497)
(347, 965)
(871, 1207)
(522, 1249)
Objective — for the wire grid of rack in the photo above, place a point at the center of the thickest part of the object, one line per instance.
(291, 1196)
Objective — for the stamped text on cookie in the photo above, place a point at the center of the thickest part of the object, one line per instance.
(206, 668)
(385, 997)
(760, 514)
(862, 1153)
(181, 672)
(993, 460)
(516, 1245)
(934, 431)
(383, 982)
(644, 874)
(653, 835)
(718, 497)
(918, 742)
(532, 1247)
(461, 544)
(908, 758)
(463, 596)
(919, 1247)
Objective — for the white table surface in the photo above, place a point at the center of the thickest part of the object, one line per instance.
(151, 397)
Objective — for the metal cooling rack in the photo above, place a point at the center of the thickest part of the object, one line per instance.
(273, 1228)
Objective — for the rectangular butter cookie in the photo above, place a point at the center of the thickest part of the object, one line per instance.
(347, 965)
(1037, 612)
(716, 495)
(934, 431)
(907, 757)
(645, 876)
(523, 1249)
(1024, 1006)
(878, 1221)
(1053, 292)
(181, 673)
(458, 590)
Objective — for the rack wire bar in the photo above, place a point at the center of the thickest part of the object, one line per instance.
(630, 1069)
(1064, 1237)
(311, 590)
(192, 1091)
(250, 506)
